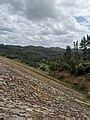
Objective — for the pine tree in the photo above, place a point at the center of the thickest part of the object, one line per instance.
(88, 47)
(67, 55)
(76, 54)
(83, 46)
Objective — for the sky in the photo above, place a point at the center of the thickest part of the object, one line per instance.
(48, 23)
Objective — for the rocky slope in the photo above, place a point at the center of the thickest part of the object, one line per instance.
(26, 94)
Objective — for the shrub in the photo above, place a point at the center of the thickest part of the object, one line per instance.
(72, 66)
(65, 66)
(43, 67)
(80, 87)
(54, 67)
(87, 69)
(36, 65)
(80, 70)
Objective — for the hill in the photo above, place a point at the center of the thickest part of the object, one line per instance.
(26, 93)
(31, 54)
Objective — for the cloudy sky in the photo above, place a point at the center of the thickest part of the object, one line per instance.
(43, 22)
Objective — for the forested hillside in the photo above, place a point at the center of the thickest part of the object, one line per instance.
(31, 54)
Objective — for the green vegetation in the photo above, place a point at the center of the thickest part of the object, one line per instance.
(30, 54)
(64, 64)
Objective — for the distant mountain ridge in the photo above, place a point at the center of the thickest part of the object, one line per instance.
(31, 54)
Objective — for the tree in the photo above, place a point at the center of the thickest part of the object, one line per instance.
(72, 66)
(83, 46)
(76, 54)
(67, 55)
(88, 45)
(88, 40)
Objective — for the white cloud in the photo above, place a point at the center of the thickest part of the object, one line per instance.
(43, 22)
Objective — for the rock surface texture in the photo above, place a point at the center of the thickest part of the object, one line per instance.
(28, 95)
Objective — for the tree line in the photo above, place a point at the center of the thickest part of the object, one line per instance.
(75, 60)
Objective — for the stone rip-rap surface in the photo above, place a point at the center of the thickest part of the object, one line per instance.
(25, 95)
